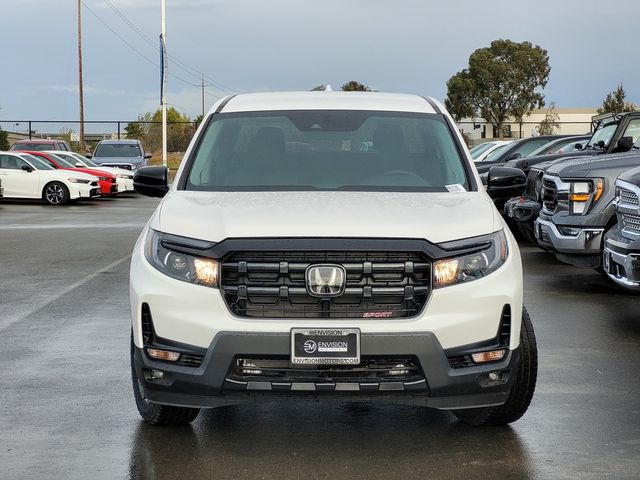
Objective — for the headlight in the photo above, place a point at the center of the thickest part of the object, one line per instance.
(104, 179)
(79, 180)
(122, 175)
(583, 194)
(179, 265)
(472, 266)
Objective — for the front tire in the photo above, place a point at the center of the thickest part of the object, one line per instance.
(154, 413)
(522, 390)
(56, 193)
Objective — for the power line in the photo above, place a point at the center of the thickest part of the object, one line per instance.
(183, 66)
(177, 77)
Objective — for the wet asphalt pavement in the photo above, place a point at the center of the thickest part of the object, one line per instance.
(67, 412)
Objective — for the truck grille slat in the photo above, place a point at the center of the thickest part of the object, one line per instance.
(629, 197)
(378, 284)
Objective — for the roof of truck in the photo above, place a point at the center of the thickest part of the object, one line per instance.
(376, 101)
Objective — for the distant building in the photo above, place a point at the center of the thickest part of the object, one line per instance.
(571, 120)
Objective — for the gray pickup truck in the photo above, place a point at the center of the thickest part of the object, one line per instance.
(578, 206)
(621, 255)
(612, 134)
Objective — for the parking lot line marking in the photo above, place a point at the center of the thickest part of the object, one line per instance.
(69, 226)
(8, 321)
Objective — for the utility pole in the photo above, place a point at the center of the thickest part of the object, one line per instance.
(164, 80)
(80, 85)
(202, 86)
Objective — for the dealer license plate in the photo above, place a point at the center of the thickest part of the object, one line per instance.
(325, 346)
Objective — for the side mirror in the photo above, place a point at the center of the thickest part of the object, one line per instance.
(578, 146)
(505, 182)
(79, 165)
(88, 155)
(514, 156)
(625, 144)
(27, 168)
(151, 181)
(147, 156)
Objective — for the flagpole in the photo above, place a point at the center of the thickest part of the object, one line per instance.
(164, 85)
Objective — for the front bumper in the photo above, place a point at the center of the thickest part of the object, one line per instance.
(124, 184)
(81, 190)
(522, 209)
(442, 387)
(621, 260)
(580, 248)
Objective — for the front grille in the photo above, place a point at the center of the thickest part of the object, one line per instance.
(630, 222)
(378, 284)
(534, 183)
(549, 195)
(629, 197)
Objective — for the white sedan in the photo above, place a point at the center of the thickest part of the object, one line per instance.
(26, 176)
(124, 177)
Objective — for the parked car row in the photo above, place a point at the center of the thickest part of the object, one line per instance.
(584, 207)
(58, 177)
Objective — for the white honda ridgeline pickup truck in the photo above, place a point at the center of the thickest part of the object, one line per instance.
(329, 245)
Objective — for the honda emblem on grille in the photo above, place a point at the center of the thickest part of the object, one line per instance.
(326, 281)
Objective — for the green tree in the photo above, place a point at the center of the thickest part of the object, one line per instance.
(502, 81)
(198, 119)
(180, 129)
(615, 102)
(354, 86)
(4, 140)
(135, 130)
(550, 124)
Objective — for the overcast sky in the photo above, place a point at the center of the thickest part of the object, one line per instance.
(250, 45)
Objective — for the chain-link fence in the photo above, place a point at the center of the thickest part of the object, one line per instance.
(478, 132)
(179, 134)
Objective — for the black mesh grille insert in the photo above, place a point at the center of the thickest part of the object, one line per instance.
(279, 369)
(549, 195)
(378, 284)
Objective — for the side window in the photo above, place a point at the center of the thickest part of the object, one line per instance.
(11, 162)
(47, 161)
(633, 130)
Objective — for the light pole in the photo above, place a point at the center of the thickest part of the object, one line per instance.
(164, 81)
(80, 82)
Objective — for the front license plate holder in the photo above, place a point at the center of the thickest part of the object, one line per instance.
(325, 346)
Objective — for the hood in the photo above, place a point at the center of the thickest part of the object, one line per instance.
(118, 159)
(631, 176)
(537, 160)
(63, 174)
(89, 171)
(592, 166)
(436, 217)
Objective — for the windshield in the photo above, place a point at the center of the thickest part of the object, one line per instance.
(327, 150)
(63, 162)
(74, 158)
(37, 147)
(124, 150)
(480, 149)
(36, 162)
(497, 152)
(603, 132)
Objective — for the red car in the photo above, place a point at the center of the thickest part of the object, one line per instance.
(106, 181)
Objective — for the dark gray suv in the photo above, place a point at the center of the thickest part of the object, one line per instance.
(127, 154)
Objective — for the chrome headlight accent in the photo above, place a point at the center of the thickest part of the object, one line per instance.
(79, 180)
(180, 265)
(472, 266)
